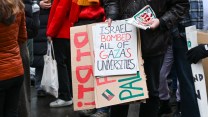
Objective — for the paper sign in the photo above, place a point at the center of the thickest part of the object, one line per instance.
(198, 73)
(114, 49)
(144, 15)
(113, 90)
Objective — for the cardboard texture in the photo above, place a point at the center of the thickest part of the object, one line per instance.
(194, 38)
(109, 90)
(203, 39)
(82, 69)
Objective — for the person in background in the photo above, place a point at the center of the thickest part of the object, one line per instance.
(32, 23)
(12, 34)
(198, 15)
(58, 30)
(154, 41)
(40, 45)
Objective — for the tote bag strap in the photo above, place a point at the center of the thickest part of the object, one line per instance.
(50, 51)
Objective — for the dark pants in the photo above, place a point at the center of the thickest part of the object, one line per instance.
(189, 105)
(63, 59)
(119, 110)
(24, 104)
(38, 77)
(9, 96)
(152, 68)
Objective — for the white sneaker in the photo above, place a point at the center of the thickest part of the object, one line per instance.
(60, 103)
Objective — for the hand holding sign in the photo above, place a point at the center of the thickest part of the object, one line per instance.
(109, 20)
(144, 19)
(153, 23)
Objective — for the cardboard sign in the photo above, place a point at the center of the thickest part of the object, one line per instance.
(114, 49)
(121, 89)
(82, 69)
(193, 36)
(90, 92)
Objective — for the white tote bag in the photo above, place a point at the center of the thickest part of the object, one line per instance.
(49, 81)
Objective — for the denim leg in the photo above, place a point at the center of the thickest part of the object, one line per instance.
(38, 77)
(164, 72)
(189, 105)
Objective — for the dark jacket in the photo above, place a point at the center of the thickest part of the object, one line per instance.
(40, 42)
(31, 21)
(169, 12)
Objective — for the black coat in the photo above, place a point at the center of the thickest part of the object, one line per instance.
(40, 42)
(169, 12)
(31, 21)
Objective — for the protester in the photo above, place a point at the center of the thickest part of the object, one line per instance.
(197, 16)
(27, 57)
(40, 45)
(154, 42)
(58, 30)
(12, 34)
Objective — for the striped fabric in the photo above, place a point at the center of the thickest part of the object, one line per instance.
(195, 16)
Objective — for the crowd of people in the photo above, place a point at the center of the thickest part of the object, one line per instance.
(26, 26)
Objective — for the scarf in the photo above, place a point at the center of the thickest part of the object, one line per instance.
(88, 2)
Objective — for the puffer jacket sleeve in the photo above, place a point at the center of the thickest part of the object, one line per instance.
(178, 10)
(111, 8)
(31, 21)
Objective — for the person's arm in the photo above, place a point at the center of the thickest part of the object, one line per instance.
(57, 17)
(178, 10)
(197, 53)
(22, 36)
(111, 9)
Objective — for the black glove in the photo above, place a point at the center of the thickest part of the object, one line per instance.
(197, 53)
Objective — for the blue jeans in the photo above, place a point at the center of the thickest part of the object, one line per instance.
(189, 105)
(164, 72)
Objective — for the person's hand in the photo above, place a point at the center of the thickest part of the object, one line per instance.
(44, 4)
(49, 38)
(153, 23)
(109, 20)
(197, 53)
